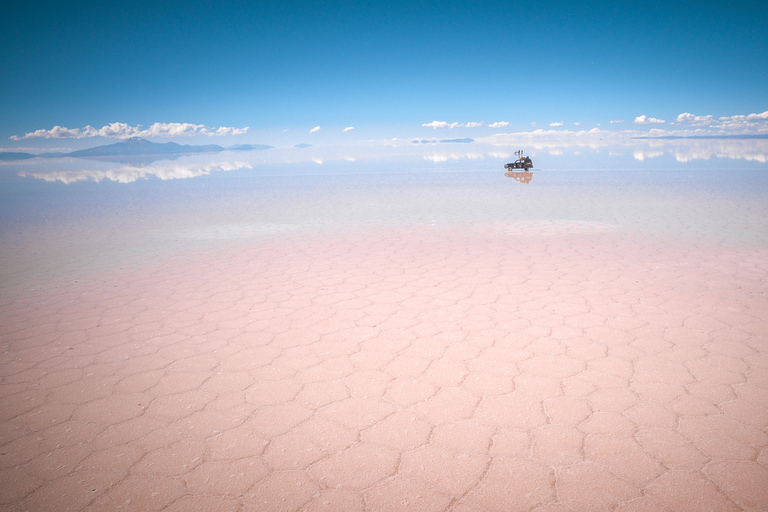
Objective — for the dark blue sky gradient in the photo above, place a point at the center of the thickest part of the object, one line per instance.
(290, 64)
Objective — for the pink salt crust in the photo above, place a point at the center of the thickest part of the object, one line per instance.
(395, 369)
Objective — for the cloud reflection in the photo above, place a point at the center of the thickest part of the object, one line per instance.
(130, 173)
(644, 154)
(735, 149)
(444, 157)
(682, 149)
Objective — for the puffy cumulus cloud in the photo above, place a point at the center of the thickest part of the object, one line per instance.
(348, 128)
(57, 132)
(499, 124)
(173, 130)
(436, 124)
(752, 123)
(227, 130)
(617, 121)
(732, 125)
(445, 124)
(315, 129)
(643, 119)
(555, 124)
(757, 117)
(130, 173)
(689, 118)
(578, 123)
(440, 124)
(125, 131)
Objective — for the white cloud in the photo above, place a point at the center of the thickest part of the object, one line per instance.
(57, 132)
(736, 125)
(689, 118)
(533, 124)
(315, 129)
(617, 121)
(750, 117)
(499, 124)
(445, 124)
(348, 128)
(440, 124)
(228, 130)
(648, 120)
(577, 123)
(125, 131)
(555, 124)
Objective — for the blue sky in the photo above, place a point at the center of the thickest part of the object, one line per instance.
(386, 69)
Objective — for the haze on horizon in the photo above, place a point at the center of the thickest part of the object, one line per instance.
(281, 73)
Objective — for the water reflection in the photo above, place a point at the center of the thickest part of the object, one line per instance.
(683, 150)
(131, 173)
(357, 160)
(48, 229)
(444, 157)
(688, 150)
(643, 155)
(520, 176)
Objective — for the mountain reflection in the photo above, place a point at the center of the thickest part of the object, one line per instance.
(131, 173)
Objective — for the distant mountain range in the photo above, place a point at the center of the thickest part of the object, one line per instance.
(249, 147)
(136, 146)
(15, 156)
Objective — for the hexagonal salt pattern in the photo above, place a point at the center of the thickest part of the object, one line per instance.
(399, 369)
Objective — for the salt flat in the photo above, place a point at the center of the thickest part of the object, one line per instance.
(461, 352)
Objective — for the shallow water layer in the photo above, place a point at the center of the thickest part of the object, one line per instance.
(70, 217)
(403, 330)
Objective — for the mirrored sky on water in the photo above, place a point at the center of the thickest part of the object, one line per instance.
(64, 217)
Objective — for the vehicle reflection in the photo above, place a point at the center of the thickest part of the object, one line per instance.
(520, 176)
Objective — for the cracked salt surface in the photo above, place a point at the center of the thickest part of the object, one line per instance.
(317, 344)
